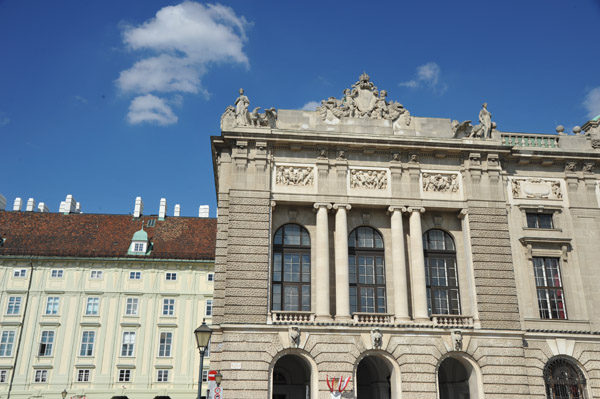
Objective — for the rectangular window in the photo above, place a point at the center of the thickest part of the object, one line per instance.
(131, 307)
(20, 273)
(539, 220)
(204, 375)
(128, 344)
(164, 347)
(124, 375)
(14, 305)
(168, 307)
(170, 276)
(92, 306)
(162, 376)
(96, 274)
(139, 247)
(41, 376)
(3, 376)
(56, 273)
(52, 305)
(87, 343)
(135, 275)
(83, 375)
(209, 305)
(6, 343)
(550, 294)
(46, 343)
(210, 277)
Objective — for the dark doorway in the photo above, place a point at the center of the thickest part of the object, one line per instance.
(453, 379)
(291, 378)
(373, 377)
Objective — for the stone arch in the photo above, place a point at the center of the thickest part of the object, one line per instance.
(462, 370)
(294, 365)
(573, 385)
(376, 376)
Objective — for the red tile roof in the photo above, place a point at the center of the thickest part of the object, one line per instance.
(98, 235)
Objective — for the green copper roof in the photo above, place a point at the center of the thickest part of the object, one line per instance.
(596, 118)
(140, 235)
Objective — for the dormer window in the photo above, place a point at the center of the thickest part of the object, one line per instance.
(140, 245)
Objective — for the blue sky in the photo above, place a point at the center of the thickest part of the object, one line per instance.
(109, 100)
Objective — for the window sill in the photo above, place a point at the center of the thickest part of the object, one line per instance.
(557, 325)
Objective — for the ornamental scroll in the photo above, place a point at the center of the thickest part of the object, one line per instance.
(441, 183)
(536, 188)
(369, 179)
(298, 176)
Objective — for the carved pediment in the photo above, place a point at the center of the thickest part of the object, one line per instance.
(363, 100)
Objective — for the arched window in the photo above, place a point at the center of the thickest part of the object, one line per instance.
(366, 271)
(440, 273)
(291, 269)
(564, 380)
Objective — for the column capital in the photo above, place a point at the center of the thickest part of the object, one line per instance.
(273, 204)
(463, 212)
(318, 205)
(393, 208)
(416, 209)
(347, 207)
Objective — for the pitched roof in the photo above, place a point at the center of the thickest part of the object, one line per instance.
(100, 235)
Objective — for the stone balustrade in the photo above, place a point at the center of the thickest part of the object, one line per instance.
(452, 321)
(292, 317)
(530, 140)
(370, 319)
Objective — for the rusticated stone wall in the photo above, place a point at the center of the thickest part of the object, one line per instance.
(493, 269)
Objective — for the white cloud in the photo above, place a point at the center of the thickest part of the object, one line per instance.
(81, 99)
(150, 109)
(180, 44)
(310, 106)
(592, 102)
(427, 75)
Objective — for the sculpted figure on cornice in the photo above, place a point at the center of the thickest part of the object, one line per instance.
(369, 179)
(294, 176)
(440, 183)
(238, 115)
(364, 100)
(536, 188)
(482, 131)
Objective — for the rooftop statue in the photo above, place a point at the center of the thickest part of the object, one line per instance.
(363, 100)
(238, 115)
(483, 130)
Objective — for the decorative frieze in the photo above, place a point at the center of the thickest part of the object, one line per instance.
(441, 183)
(371, 179)
(299, 176)
(536, 188)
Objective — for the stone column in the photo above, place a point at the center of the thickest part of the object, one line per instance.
(322, 263)
(417, 266)
(399, 265)
(342, 283)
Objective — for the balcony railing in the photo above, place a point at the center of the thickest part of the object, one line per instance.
(452, 321)
(291, 317)
(530, 140)
(370, 319)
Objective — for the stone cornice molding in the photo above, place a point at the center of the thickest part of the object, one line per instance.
(347, 207)
(416, 209)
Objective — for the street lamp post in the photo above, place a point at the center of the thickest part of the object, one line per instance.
(218, 378)
(64, 394)
(202, 334)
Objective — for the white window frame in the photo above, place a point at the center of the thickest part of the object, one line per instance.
(20, 273)
(83, 375)
(162, 375)
(40, 376)
(7, 343)
(165, 344)
(124, 375)
(208, 311)
(171, 276)
(135, 275)
(88, 340)
(131, 306)
(128, 344)
(94, 301)
(96, 274)
(46, 343)
(139, 247)
(52, 305)
(14, 305)
(56, 273)
(168, 307)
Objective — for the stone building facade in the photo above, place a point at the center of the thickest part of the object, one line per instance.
(103, 306)
(421, 257)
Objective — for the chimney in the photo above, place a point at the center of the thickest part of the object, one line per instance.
(30, 205)
(203, 211)
(78, 207)
(177, 210)
(138, 210)
(42, 207)
(2, 202)
(18, 204)
(162, 209)
(69, 205)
